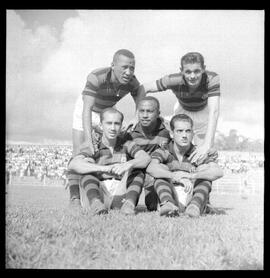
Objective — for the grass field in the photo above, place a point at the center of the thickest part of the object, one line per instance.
(42, 233)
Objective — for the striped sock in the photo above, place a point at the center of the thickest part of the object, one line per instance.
(73, 185)
(91, 186)
(201, 192)
(164, 192)
(134, 186)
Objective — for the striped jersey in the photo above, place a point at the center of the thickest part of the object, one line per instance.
(100, 85)
(159, 138)
(124, 150)
(197, 100)
(168, 156)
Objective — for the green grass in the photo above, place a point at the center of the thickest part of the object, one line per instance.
(41, 232)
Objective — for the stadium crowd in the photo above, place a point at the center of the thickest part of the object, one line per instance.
(41, 162)
(50, 161)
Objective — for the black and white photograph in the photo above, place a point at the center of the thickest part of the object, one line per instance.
(134, 139)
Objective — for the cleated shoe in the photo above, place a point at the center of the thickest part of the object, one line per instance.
(97, 207)
(192, 211)
(128, 208)
(169, 209)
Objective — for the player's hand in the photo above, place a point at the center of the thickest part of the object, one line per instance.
(179, 175)
(188, 184)
(132, 123)
(121, 168)
(107, 169)
(199, 155)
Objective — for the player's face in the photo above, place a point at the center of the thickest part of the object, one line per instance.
(193, 74)
(182, 133)
(111, 125)
(123, 68)
(147, 112)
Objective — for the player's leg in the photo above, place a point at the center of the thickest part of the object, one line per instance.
(77, 140)
(91, 196)
(168, 205)
(151, 198)
(135, 182)
(199, 199)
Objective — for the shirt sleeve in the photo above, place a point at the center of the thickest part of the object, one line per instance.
(91, 85)
(85, 150)
(168, 81)
(132, 148)
(212, 156)
(160, 154)
(214, 86)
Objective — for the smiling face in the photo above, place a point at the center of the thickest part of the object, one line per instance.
(193, 74)
(123, 68)
(148, 113)
(111, 124)
(182, 133)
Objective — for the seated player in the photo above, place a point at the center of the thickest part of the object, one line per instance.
(150, 134)
(195, 177)
(115, 157)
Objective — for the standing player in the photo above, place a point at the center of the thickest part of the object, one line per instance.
(103, 89)
(198, 93)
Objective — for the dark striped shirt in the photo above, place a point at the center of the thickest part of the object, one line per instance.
(197, 100)
(168, 156)
(160, 137)
(124, 150)
(100, 86)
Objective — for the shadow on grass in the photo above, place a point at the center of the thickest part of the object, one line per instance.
(217, 210)
(210, 210)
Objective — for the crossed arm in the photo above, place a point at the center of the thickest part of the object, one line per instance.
(83, 165)
(210, 171)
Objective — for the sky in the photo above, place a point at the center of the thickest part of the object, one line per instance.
(49, 54)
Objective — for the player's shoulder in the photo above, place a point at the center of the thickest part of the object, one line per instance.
(178, 76)
(99, 75)
(101, 71)
(211, 75)
(173, 79)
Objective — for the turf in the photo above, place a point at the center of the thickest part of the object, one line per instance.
(42, 232)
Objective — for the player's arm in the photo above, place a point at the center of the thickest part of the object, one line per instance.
(213, 114)
(141, 160)
(160, 170)
(150, 87)
(88, 103)
(213, 105)
(84, 165)
(89, 94)
(210, 171)
(201, 151)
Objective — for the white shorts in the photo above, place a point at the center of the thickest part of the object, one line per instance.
(200, 121)
(77, 115)
(112, 192)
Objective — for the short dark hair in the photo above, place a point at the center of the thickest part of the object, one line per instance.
(151, 99)
(110, 110)
(180, 117)
(123, 52)
(191, 58)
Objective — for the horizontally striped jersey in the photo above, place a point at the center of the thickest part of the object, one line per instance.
(160, 137)
(197, 100)
(168, 156)
(124, 151)
(100, 86)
